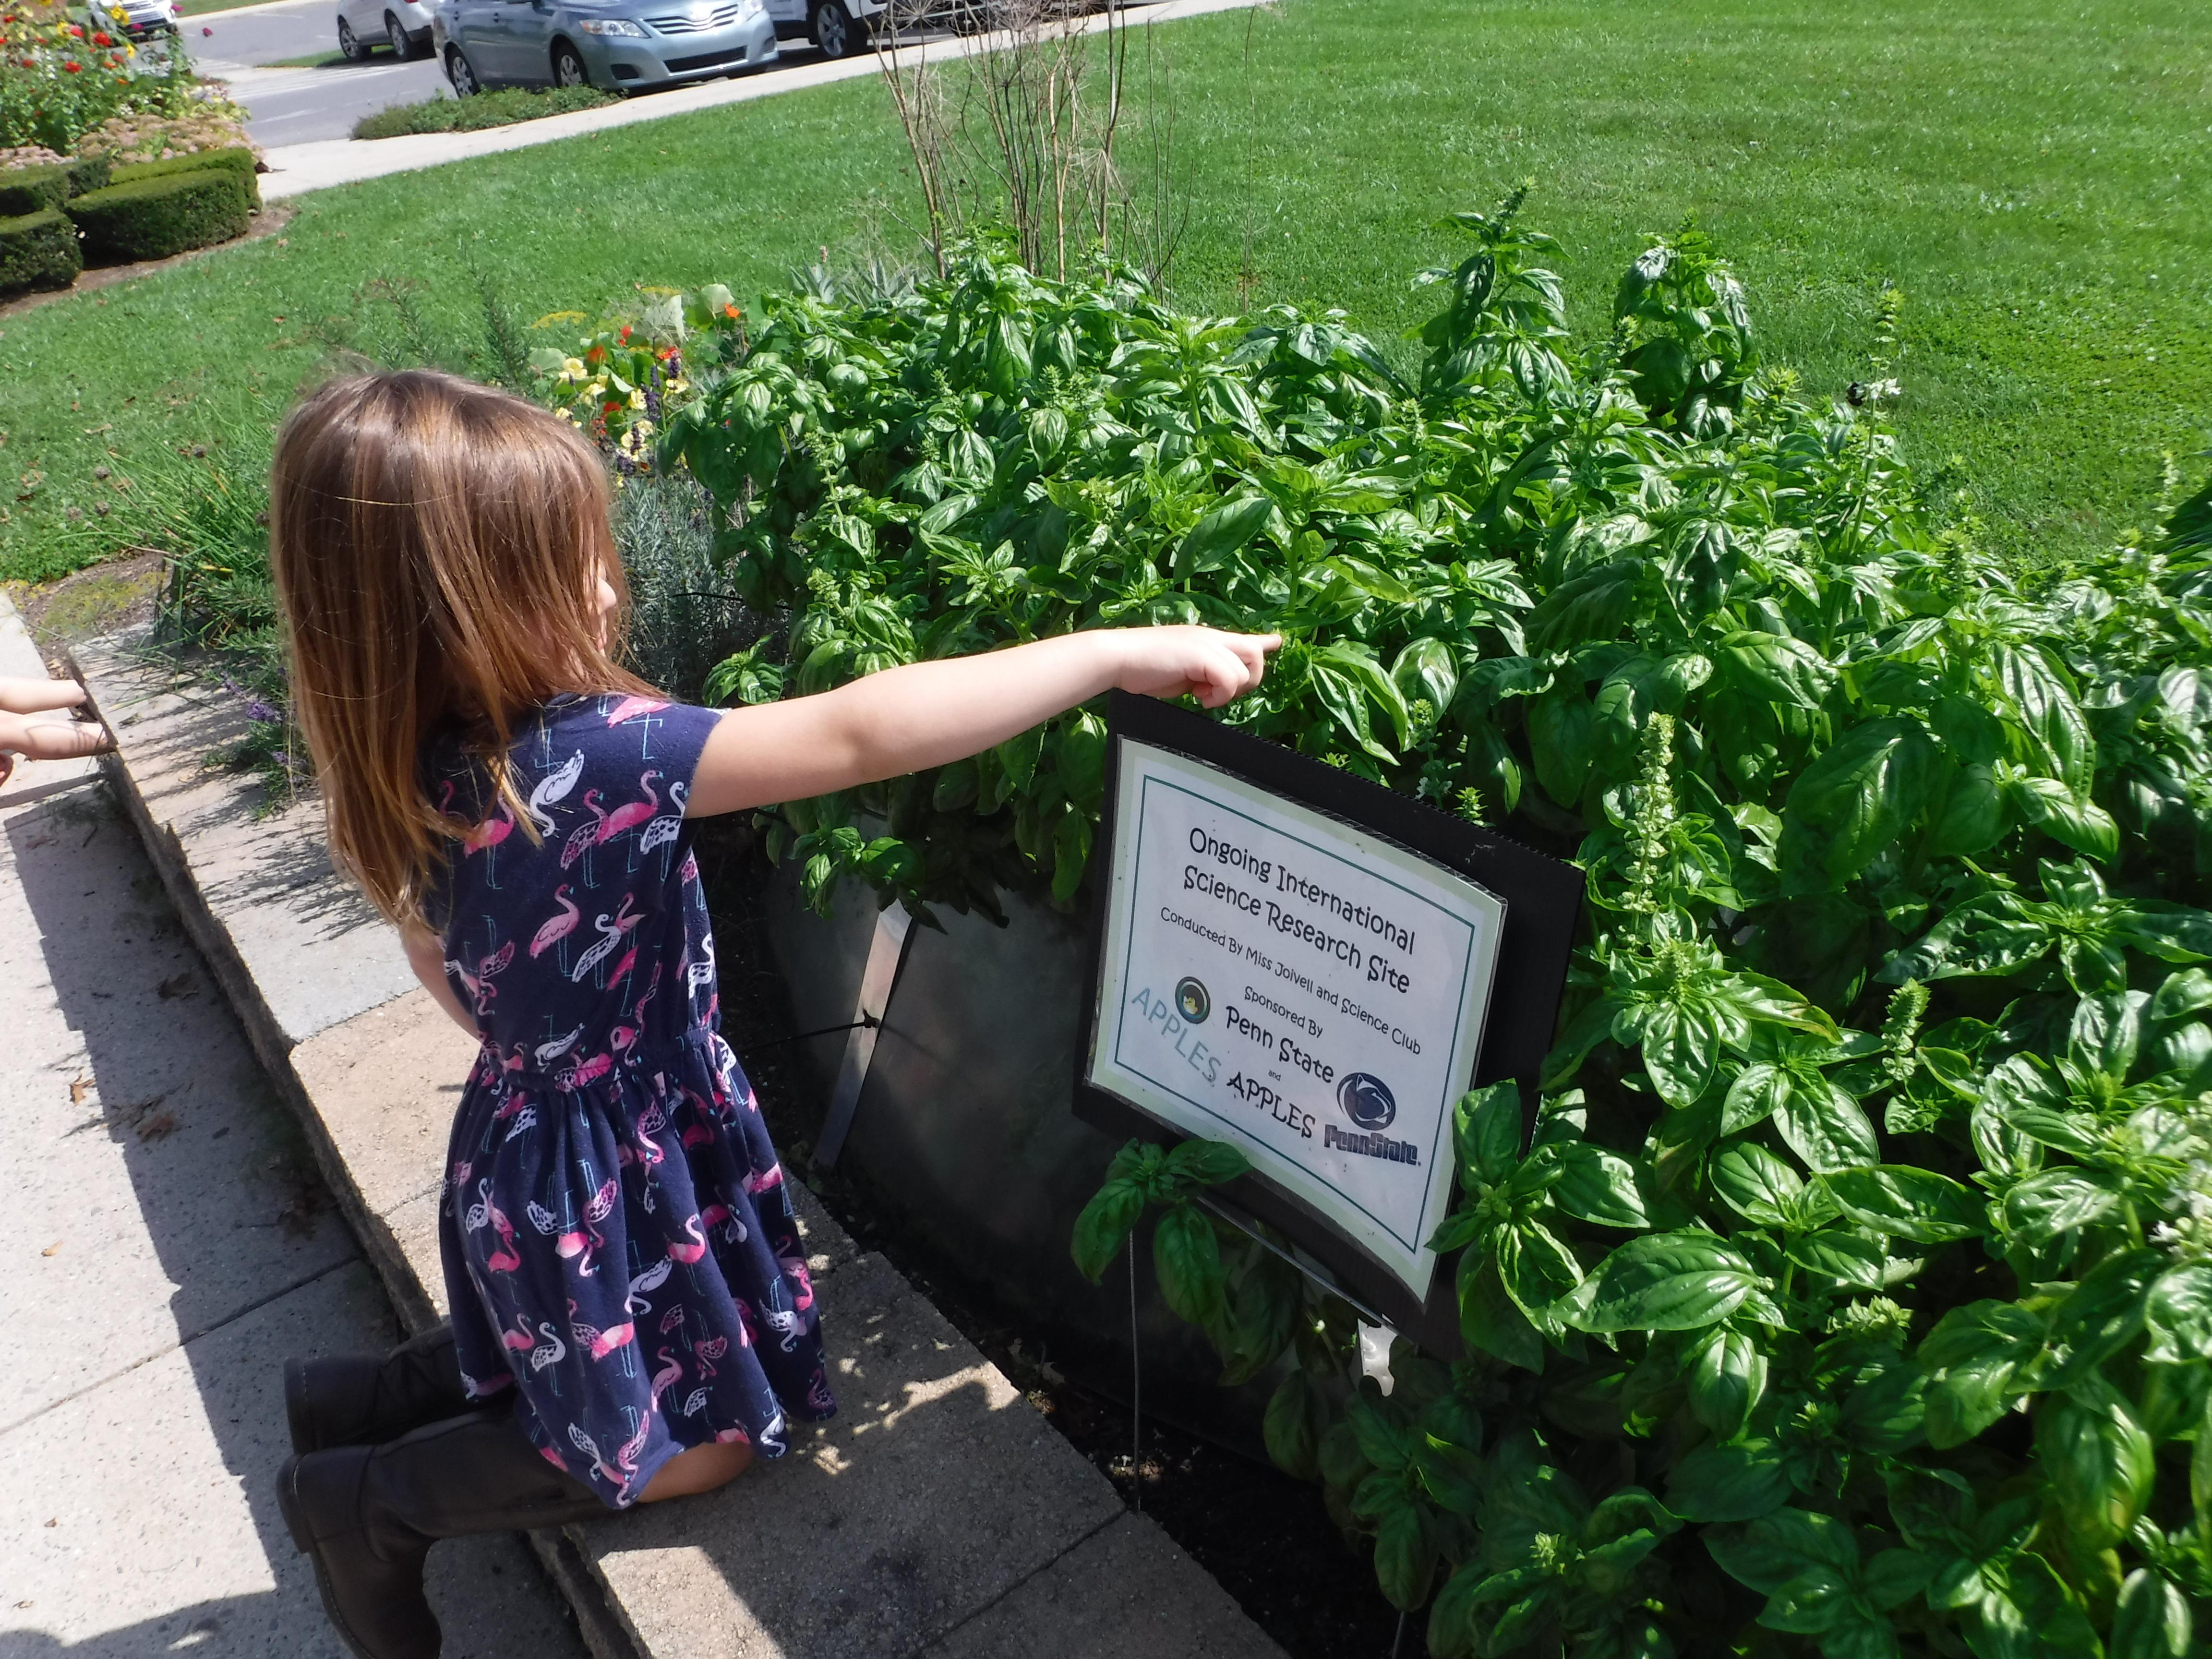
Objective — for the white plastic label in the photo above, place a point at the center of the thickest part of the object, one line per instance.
(1298, 987)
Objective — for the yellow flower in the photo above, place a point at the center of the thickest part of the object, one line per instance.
(636, 397)
(572, 368)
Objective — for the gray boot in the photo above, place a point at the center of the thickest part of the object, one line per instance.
(361, 1399)
(366, 1516)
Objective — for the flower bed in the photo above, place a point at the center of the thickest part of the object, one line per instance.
(66, 87)
(1851, 1296)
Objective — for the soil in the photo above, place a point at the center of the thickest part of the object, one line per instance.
(1264, 1537)
(114, 594)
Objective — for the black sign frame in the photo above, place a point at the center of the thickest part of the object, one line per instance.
(1543, 905)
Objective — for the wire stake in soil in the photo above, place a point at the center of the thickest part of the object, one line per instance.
(1397, 1641)
(1136, 1391)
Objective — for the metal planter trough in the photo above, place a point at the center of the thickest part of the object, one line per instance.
(963, 1136)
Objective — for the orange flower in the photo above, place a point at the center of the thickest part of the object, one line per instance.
(732, 311)
(624, 336)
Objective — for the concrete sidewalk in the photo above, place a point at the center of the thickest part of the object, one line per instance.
(296, 169)
(169, 1243)
(937, 1516)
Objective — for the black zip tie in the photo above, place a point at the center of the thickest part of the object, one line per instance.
(801, 1036)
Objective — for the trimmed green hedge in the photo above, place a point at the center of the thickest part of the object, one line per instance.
(151, 218)
(238, 159)
(38, 250)
(32, 190)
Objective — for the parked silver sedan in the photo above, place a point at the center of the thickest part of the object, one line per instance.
(618, 46)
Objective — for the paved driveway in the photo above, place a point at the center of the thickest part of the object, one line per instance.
(297, 105)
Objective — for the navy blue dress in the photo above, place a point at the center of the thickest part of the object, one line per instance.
(619, 1247)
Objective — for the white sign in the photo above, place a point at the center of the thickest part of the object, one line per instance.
(1303, 989)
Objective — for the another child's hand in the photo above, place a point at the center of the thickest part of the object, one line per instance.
(29, 696)
(48, 739)
(1205, 663)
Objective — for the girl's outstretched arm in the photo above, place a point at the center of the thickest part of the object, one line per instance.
(930, 713)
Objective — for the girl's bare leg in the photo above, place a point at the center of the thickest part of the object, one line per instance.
(700, 1469)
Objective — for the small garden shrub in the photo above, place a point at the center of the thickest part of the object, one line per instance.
(237, 159)
(38, 250)
(27, 190)
(487, 109)
(154, 218)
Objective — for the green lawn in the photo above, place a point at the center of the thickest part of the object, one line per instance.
(2031, 175)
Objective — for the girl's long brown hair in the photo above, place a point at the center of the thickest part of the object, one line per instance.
(437, 545)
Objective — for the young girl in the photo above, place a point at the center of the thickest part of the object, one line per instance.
(631, 1315)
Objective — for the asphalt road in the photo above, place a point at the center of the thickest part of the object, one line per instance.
(294, 105)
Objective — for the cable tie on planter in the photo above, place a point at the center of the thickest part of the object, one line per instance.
(1323, 1279)
(866, 1020)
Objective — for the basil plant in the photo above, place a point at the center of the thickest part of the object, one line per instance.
(1851, 1293)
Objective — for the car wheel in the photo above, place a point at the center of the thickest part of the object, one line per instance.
(466, 84)
(569, 68)
(395, 36)
(836, 30)
(349, 42)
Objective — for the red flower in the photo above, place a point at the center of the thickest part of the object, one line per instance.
(624, 336)
(72, 66)
(610, 405)
(101, 39)
(76, 31)
(597, 354)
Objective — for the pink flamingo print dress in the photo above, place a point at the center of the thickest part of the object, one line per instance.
(619, 1248)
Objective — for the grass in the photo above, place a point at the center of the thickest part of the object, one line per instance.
(487, 109)
(2029, 174)
(202, 8)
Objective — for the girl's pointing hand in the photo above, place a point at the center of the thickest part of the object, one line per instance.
(1205, 663)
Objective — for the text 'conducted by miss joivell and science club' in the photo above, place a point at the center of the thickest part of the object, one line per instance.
(1290, 983)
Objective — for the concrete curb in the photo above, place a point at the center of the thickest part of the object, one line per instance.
(295, 169)
(936, 1517)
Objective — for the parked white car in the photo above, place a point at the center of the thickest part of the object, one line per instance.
(402, 25)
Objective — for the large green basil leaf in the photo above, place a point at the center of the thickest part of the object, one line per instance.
(1187, 1261)
(1769, 1551)
(1220, 533)
(1488, 1318)
(1755, 1183)
(2178, 1311)
(1848, 1257)
(2152, 1620)
(1590, 606)
(1979, 1359)
(1679, 1281)
(1562, 740)
(1296, 1419)
(1597, 1186)
(2102, 1315)
(1777, 668)
(2098, 1459)
(2044, 1206)
(1727, 1377)
(1104, 1224)
(1486, 1130)
(1739, 1481)
(1825, 1126)
(1907, 1202)
(1860, 795)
